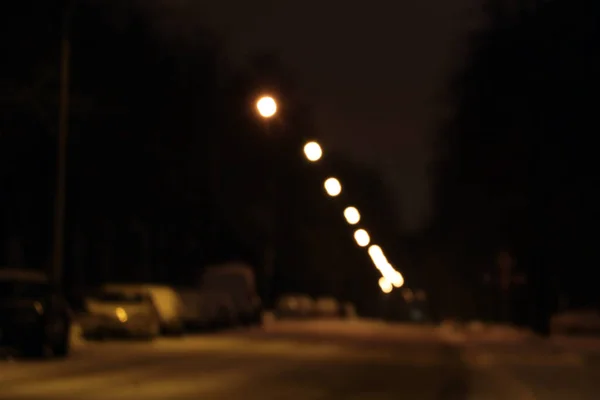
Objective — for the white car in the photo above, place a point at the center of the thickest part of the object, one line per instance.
(116, 313)
(167, 303)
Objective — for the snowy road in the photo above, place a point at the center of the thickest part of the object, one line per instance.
(326, 360)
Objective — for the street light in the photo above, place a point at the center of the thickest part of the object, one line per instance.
(397, 279)
(313, 151)
(266, 106)
(362, 238)
(377, 256)
(333, 187)
(352, 215)
(387, 270)
(385, 285)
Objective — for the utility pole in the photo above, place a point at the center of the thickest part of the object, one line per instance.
(61, 152)
(267, 109)
(270, 251)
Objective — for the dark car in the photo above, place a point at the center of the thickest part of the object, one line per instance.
(34, 317)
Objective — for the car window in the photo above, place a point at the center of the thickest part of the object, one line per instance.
(119, 297)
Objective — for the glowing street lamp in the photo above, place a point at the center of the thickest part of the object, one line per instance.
(377, 256)
(385, 285)
(313, 151)
(266, 106)
(362, 237)
(397, 279)
(352, 215)
(333, 187)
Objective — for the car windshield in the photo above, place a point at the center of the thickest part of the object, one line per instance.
(119, 297)
(18, 289)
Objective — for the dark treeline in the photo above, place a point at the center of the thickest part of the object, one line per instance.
(169, 166)
(516, 161)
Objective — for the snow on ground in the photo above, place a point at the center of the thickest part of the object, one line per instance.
(480, 333)
(477, 332)
(588, 344)
(370, 330)
(498, 333)
(361, 329)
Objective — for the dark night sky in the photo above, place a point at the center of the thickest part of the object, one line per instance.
(376, 71)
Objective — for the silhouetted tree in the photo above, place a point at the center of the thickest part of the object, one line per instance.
(144, 106)
(168, 161)
(517, 169)
(169, 166)
(28, 77)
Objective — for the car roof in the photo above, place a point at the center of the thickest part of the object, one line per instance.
(23, 275)
(134, 286)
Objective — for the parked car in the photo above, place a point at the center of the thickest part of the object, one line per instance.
(165, 299)
(295, 306)
(328, 307)
(190, 299)
(35, 319)
(118, 313)
(235, 280)
(349, 311)
(207, 310)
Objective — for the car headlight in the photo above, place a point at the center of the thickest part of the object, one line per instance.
(121, 314)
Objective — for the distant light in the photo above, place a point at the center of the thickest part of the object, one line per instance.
(385, 285)
(388, 271)
(396, 279)
(362, 237)
(352, 215)
(377, 256)
(333, 187)
(313, 151)
(266, 106)
(408, 295)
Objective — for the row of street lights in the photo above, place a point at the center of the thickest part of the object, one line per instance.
(390, 278)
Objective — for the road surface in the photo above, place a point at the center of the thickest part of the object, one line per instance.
(335, 360)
